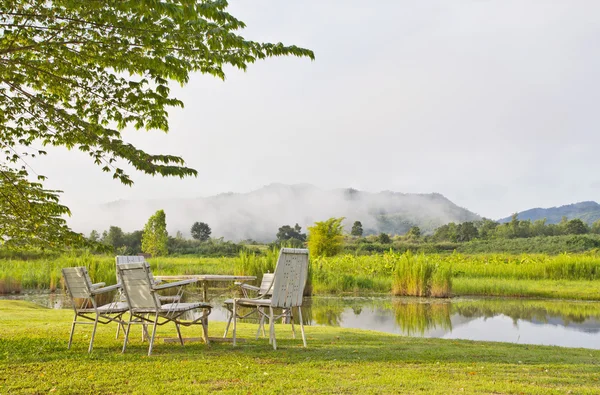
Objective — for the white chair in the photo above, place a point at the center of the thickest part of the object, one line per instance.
(143, 301)
(287, 291)
(126, 259)
(79, 286)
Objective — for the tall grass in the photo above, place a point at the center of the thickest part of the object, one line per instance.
(404, 274)
(419, 275)
(45, 274)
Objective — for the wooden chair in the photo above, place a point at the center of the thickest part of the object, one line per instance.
(143, 301)
(289, 280)
(79, 286)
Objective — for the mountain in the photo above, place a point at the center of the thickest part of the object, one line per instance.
(588, 212)
(258, 214)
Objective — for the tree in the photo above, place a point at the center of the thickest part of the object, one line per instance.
(293, 236)
(77, 73)
(326, 238)
(576, 227)
(155, 237)
(114, 237)
(94, 236)
(201, 231)
(466, 232)
(414, 232)
(357, 229)
(487, 228)
(384, 238)
(445, 233)
(31, 216)
(595, 227)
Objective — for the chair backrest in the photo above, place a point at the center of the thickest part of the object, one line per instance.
(266, 285)
(78, 282)
(136, 280)
(290, 277)
(120, 259)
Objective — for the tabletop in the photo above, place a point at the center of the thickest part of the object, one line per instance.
(206, 277)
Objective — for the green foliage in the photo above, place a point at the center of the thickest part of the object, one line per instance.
(466, 232)
(155, 237)
(576, 227)
(30, 216)
(292, 237)
(384, 238)
(210, 248)
(114, 237)
(357, 229)
(326, 238)
(77, 73)
(201, 231)
(414, 232)
(251, 264)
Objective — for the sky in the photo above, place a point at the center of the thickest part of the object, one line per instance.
(492, 103)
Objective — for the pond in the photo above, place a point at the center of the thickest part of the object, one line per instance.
(524, 321)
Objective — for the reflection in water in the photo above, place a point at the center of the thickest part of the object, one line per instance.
(416, 318)
(553, 322)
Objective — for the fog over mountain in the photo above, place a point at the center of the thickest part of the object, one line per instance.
(258, 214)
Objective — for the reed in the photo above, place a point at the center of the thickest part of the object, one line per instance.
(419, 275)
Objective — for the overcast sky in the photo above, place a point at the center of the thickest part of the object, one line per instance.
(492, 103)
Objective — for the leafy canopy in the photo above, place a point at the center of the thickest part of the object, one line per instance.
(76, 73)
(325, 238)
(201, 231)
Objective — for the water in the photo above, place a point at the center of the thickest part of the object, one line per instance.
(524, 321)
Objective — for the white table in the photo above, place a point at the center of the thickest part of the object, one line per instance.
(204, 279)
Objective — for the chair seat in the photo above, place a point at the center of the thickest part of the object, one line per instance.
(175, 307)
(174, 298)
(253, 302)
(116, 307)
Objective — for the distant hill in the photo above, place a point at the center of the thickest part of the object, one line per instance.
(258, 214)
(588, 212)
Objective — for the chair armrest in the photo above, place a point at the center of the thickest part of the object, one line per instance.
(175, 284)
(102, 290)
(250, 287)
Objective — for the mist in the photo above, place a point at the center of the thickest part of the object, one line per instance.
(258, 214)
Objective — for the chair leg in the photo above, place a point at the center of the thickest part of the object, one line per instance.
(93, 335)
(118, 330)
(272, 329)
(127, 333)
(179, 333)
(205, 330)
(234, 315)
(291, 320)
(153, 335)
(228, 323)
(261, 323)
(301, 325)
(72, 330)
(145, 329)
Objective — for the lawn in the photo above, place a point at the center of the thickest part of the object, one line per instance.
(34, 359)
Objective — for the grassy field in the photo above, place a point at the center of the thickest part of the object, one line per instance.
(34, 359)
(568, 276)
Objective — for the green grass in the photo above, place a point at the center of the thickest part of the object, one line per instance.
(419, 275)
(557, 289)
(34, 359)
